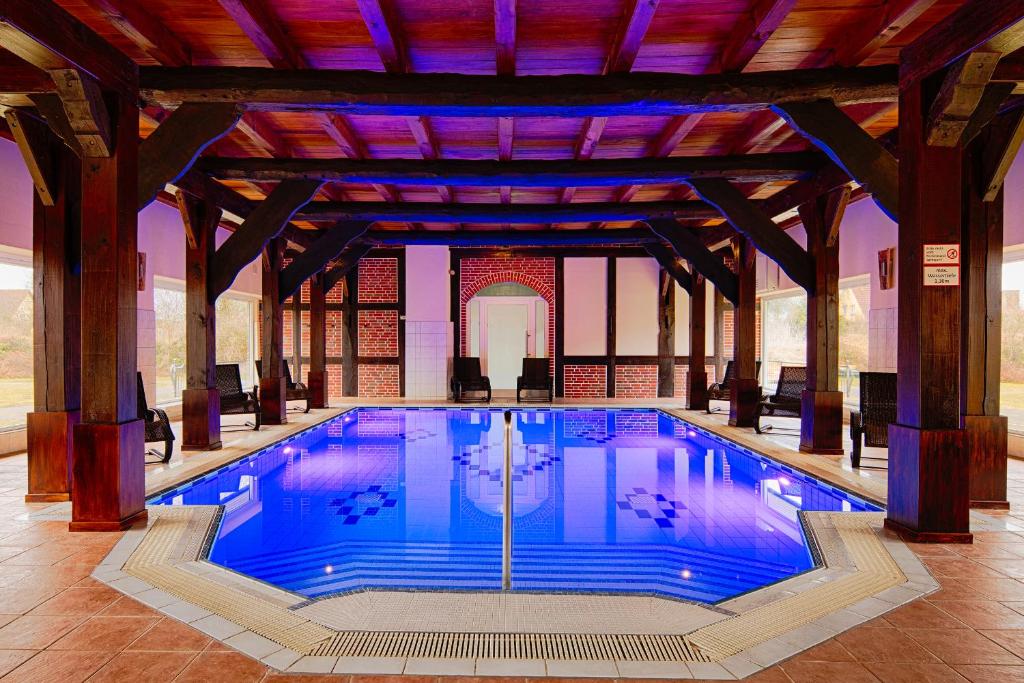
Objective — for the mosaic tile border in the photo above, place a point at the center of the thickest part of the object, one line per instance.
(866, 573)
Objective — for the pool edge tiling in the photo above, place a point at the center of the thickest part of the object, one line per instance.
(866, 573)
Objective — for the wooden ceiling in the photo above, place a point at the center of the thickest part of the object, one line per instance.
(513, 37)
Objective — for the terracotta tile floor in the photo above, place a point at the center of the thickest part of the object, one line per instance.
(57, 624)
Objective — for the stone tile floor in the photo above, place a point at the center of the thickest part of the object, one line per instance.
(58, 624)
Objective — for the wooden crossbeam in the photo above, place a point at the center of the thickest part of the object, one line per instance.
(751, 221)
(48, 37)
(33, 139)
(850, 146)
(524, 173)
(177, 142)
(996, 26)
(992, 101)
(324, 250)
(962, 90)
(86, 111)
(434, 212)
(669, 261)
(349, 260)
(265, 31)
(644, 94)
(511, 238)
(869, 37)
(689, 246)
(266, 222)
(153, 37)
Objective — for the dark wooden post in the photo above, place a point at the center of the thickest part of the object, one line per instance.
(982, 272)
(273, 403)
(109, 470)
(745, 394)
(697, 376)
(200, 402)
(317, 378)
(821, 412)
(350, 334)
(928, 497)
(56, 348)
(666, 335)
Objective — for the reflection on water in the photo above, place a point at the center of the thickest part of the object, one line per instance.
(603, 501)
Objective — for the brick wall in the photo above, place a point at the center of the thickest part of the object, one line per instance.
(636, 381)
(378, 280)
(585, 381)
(378, 381)
(377, 330)
(537, 273)
(378, 333)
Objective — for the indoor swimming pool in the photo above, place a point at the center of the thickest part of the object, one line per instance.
(603, 501)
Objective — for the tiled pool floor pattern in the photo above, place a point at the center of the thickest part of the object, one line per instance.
(56, 623)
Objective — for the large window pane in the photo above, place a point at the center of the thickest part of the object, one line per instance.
(1011, 376)
(236, 319)
(169, 305)
(15, 344)
(854, 302)
(783, 335)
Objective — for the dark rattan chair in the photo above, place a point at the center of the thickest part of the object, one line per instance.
(877, 412)
(786, 400)
(719, 391)
(234, 400)
(467, 377)
(536, 377)
(158, 427)
(294, 391)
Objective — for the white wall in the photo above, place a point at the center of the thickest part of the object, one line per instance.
(586, 306)
(636, 307)
(427, 283)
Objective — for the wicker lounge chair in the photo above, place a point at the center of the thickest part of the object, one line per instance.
(467, 377)
(786, 400)
(877, 412)
(233, 399)
(719, 391)
(294, 391)
(536, 377)
(158, 427)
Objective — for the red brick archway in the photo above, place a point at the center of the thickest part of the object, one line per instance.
(537, 273)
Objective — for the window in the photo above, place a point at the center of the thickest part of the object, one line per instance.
(854, 303)
(169, 307)
(236, 335)
(1011, 375)
(15, 340)
(784, 334)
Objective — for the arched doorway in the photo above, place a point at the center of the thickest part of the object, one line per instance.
(506, 322)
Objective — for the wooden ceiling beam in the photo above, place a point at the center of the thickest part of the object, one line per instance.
(434, 212)
(267, 221)
(152, 36)
(325, 249)
(977, 24)
(754, 31)
(511, 238)
(174, 146)
(850, 146)
(753, 222)
(642, 94)
(86, 111)
(870, 36)
(505, 37)
(669, 261)
(48, 37)
(522, 173)
(962, 90)
(264, 29)
(689, 246)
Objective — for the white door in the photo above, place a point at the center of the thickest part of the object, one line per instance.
(506, 343)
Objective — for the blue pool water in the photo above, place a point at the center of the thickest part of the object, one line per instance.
(604, 501)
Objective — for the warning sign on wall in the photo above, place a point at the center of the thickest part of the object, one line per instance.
(941, 254)
(942, 276)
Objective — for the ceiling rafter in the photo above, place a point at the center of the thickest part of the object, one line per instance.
(147, 32)
(505, 65)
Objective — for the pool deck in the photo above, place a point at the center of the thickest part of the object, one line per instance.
(58, 622)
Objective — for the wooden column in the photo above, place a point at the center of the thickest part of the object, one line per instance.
(296, 320)
(821, 412)
(611, 295)
(697, 376)
(928, 498)
(273, 404)
(560, 326)
(109, 472)
(200, 402)
(666, 335)
(317, 377)
(982, 273)
(350, 335)
(745, 394)
(56, 347)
